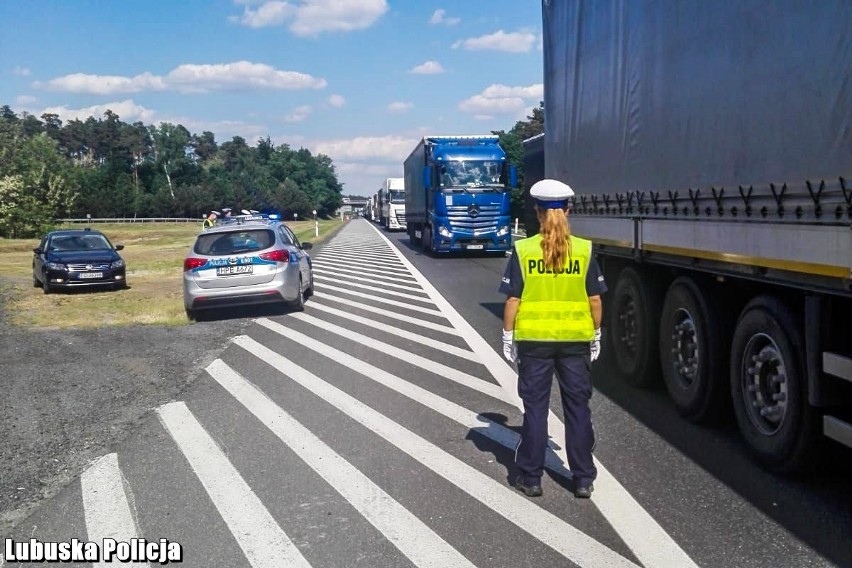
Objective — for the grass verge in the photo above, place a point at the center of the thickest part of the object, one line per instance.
(154, 253)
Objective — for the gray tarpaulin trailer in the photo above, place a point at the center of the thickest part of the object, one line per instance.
(710, 148)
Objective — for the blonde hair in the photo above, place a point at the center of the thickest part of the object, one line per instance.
(555, 238)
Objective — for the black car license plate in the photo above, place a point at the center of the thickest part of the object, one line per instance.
(234, 270)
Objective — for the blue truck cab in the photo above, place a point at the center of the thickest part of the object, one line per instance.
(457, 194)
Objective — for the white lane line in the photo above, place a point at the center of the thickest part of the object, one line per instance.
(375, 298)
(339, 274)
(402, 528)
(573, 544)
(399, 332)
(649, 541)
(380, 260)
(443, 371)
(387, 313)
(105, 505)
(259, 536)
(374, 275)
(348, 262)
(486, 427)
(355, 245)
(394, 293)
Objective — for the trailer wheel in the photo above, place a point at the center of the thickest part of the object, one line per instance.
(692, 355)
(634, 317)
(768, 386)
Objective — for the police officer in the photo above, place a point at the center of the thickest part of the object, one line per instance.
(211, 219)
(551, 323)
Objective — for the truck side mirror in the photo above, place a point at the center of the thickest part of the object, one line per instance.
(427, 178)
(513, 176)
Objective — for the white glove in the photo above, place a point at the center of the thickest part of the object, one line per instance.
(596, 344)
(510, 350)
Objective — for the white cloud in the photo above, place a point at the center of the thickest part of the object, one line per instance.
(500, 99)
(313, 17)
(299, 114)
(127, 110)
(513, 42)
(479, 104)
(189, 78)
(337, 101)
(21, 71)
(272, 13)
(427, 68)
(81, 83)
(439, 17)
(391, 148)
(535, 91)
(399, 107)
(25, 100)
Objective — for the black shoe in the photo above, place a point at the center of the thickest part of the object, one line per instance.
(584, 492)
(528, 490)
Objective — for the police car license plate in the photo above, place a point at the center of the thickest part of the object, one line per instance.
(92, 275)
(232, 270)
(474, 247)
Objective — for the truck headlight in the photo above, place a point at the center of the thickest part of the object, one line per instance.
(504, 230)
(445, 232)
(56, 266)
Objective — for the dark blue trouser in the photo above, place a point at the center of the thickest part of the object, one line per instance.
(535, 377)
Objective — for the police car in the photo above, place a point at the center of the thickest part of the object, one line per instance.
(249, 259)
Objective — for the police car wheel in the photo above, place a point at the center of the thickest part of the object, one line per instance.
(769, 388)
(298, 304)
(692, 351)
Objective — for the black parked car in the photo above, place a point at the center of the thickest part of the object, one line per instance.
(77, 258)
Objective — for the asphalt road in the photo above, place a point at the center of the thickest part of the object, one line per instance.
(345, 436)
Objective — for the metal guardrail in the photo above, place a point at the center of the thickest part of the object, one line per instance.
(132, 220)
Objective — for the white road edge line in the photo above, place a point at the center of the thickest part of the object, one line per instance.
(261, 539)
(552, 531)
(420, 544)
(105, 505)
(651, 544)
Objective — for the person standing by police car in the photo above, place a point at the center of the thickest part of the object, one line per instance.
(551, 323)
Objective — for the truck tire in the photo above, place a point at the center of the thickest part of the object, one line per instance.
(693, 354)
(426, 239)
(633, 322)
(769, 387)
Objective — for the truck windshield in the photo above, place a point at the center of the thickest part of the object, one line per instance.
(472, 175)
(397, 197)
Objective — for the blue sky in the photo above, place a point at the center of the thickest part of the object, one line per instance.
(358, 80)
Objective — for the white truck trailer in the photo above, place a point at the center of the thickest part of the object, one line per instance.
(710, 148)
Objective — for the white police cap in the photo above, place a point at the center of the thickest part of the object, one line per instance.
(215, 213)
(551, 190)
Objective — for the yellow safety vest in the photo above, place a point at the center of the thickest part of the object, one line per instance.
(554, 308)
(208, 223)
